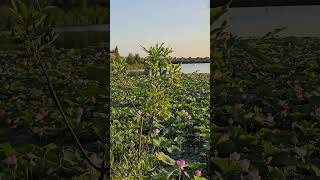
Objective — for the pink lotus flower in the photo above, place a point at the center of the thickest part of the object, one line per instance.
(10, 160)
(244, 164)
(197, 135)
(94, 159)
(43, 113)
(254, 174)
(285, 107)
(269, 120)
(156, 131)
(197, 172)
(39, 131)
(234, 156)
(181, 163)
(29, 156)
(298, 91)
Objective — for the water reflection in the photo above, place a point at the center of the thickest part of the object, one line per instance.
(73, 37)
(185, 68)
(83, 36)
(301, 21)
(82, 39)
(195, 67)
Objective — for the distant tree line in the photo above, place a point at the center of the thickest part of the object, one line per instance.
(68, 12)
(136, 59)
(191, 60)
(130, 59)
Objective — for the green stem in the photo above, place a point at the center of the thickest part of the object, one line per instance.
(140, 138)
(53, 93)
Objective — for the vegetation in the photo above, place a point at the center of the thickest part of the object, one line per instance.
(135, 62)
(191, 60)
(65, 13)
(264, 109)
(264, 106)
(159, 121)
(35, 142)
(54, 111)
(47, 133)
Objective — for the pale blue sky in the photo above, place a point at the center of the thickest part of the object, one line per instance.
(182, 24)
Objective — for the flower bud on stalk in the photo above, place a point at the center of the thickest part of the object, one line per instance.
(197, 172)
(156, 131)
(181, 163)
(10, 160)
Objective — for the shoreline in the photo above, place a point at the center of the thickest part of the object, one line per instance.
(191, 61)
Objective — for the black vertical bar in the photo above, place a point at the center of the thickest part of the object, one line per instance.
(106, 154)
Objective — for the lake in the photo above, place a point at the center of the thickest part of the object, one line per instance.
(200, 67)
(83, 36)
(185, 68)
(74, 37)
(301, 21)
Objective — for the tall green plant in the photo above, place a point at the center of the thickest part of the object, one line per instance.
(151, 109)
(32, 29)
(33, 32)
(158, 61)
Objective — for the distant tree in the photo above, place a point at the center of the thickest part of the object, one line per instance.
(116, 51)
(137, 58)
(130, 59)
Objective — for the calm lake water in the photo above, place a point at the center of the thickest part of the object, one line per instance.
(77, 36)
(301, 21)
(186, 68)
(83, 36)
(200, 67)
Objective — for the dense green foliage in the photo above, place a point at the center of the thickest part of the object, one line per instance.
(265, 100)
(33, 146)
(158, 119)
(266, 106)
(265, 109)
(65, 13)
(32, 131)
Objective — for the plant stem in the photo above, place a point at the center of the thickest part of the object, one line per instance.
(140, 138)
(52, 91)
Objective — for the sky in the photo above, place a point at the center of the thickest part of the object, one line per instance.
(183, 25)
